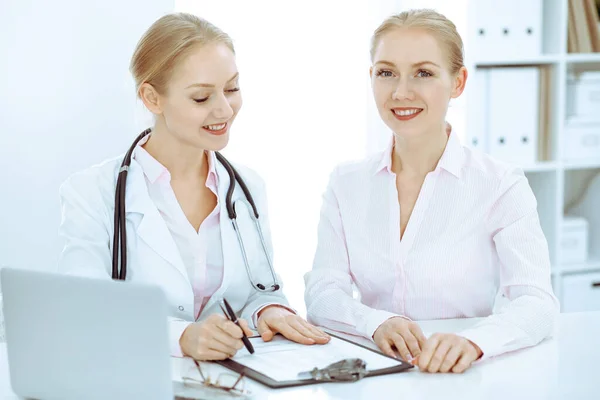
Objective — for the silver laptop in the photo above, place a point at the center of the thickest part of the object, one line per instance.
(78, 338)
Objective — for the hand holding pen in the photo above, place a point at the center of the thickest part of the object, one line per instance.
(215, 338)
(230, 314)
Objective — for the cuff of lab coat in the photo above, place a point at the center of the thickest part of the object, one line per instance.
(176, 328)
(374, 321)
(484, 337)
(255, 314)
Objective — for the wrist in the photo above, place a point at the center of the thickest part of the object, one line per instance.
(183, 340)
(477, 349)
(386, 321)
(273, 308)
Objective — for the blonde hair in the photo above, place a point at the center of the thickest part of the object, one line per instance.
(166, 42)
(431, 21)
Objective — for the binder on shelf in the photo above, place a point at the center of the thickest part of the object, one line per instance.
(479, 14)
(574, 240)
(593, 21)
(514, 114)
(583, 27)
(500, 33)
(586, 206)
(572, 42)
(583, 95)
(478, 132)
(544, 101)
(527, 22)
(582, 139)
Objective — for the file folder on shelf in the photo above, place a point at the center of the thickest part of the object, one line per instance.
(500, 32)
(477, 97)
(514, 114)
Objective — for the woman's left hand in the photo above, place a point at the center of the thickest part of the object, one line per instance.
(445, 352)
(275, 319)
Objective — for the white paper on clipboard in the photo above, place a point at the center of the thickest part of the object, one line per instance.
(282, 359)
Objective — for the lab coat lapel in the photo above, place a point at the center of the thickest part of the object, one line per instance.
(152, 229)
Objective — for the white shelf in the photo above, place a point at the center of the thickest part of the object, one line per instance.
(541, 166)
(590, 266)
(539, 60)
(544, 59)
(557, 183)
(583, 58)
(582, 164)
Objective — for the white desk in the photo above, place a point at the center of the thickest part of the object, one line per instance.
(565, 367)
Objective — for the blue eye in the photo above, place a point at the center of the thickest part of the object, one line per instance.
(424, 74)
(385, 73)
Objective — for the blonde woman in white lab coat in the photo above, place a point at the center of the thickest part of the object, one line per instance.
(429, 229)
(179, 235)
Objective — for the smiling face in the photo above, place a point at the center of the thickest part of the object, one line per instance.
(412, 81)
(202, 98)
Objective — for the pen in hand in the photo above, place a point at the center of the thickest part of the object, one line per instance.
(230, 314)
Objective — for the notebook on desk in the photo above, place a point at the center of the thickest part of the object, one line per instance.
(280, 362)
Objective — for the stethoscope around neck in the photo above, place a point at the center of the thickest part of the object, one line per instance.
(120, 233)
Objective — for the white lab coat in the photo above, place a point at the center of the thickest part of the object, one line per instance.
(87, 202)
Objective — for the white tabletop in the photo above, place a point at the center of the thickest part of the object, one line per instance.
(559, 368)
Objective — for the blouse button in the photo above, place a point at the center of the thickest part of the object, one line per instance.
(181, 308)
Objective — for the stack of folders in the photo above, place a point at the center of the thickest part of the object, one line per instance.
(513, 113)
(584, 26)
(582, 128)
(500, 32)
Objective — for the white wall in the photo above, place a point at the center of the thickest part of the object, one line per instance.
(66, 101)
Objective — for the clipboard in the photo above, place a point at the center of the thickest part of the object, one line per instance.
(278, 384)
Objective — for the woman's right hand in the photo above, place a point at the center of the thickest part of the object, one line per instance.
(401, 333)
(215, 338)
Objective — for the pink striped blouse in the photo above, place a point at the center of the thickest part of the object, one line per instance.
(474, 230)
(201, 250)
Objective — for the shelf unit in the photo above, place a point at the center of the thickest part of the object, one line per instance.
(555, 182)
(592, 265)
(544, 59)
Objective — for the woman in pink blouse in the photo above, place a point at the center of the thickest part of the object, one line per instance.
(429, 229)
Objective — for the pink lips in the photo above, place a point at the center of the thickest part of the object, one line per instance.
(405, 117)
(219, 132)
